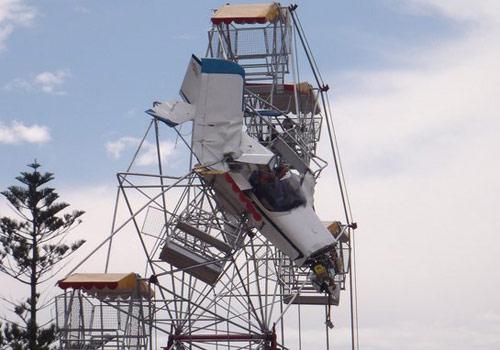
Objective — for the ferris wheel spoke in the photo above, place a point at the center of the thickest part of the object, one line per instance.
(207, 311)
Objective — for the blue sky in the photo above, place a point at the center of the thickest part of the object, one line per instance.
(114, 58)
(415, 98)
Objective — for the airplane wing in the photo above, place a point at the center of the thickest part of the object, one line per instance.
(173, 112)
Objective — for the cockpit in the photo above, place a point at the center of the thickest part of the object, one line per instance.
(277, 189)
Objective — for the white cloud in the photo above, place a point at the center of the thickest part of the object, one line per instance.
(13, 14)
(479, 12)
(47, 82)
(115, 148)
(420, 146)
(17, 133)
(148, 154)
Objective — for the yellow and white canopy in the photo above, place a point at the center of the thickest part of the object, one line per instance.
(108, 284)
(246, 13)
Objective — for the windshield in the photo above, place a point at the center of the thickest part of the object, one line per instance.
(277, 193)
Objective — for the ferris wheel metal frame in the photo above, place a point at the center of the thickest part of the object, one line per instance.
(218, 282)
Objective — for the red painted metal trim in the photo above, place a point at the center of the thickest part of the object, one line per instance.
(240, 20)
(220, 337)
(243, 198)
(87, 285)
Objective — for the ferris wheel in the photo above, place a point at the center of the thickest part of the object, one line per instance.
(229, 233)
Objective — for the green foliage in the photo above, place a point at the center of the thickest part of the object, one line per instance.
(17, 338)
(31, 245)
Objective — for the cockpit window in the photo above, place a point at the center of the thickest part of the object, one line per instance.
(276, 191)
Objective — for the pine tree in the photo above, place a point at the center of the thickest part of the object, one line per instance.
(31, 246)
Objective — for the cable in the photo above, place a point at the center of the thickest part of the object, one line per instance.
(340, 178)
(352, 262)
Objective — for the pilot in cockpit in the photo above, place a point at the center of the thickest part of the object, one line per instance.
(276, 188)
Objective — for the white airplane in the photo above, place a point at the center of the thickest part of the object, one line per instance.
(244, 174)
